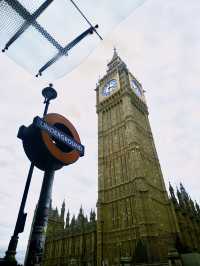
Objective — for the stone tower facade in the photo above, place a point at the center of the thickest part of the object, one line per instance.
(134, 217)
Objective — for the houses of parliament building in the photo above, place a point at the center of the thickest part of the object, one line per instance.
(137, 223)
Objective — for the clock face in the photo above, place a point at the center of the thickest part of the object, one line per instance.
(109, 87)
(136, 87)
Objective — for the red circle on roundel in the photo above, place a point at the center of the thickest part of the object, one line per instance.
(65, 157)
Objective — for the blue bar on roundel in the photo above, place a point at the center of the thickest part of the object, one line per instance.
(59, 135)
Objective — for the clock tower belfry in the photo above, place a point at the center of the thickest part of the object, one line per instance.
(134, 215)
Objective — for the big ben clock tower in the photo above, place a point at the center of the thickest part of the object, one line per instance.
(134, 215)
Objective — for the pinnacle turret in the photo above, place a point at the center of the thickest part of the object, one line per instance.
(67, 220)
(171, 190)
(184, 203)
(92, 216)
(184, 193)
(63, 210)
(73, 223)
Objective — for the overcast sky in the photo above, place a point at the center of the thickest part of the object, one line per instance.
(160, 44)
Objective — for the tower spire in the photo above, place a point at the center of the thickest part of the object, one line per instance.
(115, 61)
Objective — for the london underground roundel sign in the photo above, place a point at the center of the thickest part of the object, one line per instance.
(51, 142)
(67, 138)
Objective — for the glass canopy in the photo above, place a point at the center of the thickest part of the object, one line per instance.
(51, 37)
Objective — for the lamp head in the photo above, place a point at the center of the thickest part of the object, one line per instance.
(49, 93)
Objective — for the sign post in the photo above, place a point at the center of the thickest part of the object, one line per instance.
(50, 143)
(49, 94)
(37, 238)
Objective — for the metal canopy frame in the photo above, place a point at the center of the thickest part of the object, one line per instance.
(64, 51)
(30, 20)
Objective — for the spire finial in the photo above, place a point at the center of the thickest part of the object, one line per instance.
(115, 51)
(115, 54)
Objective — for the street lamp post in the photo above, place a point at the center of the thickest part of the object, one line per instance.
(37, 238)
(49, 94)
(49, 143)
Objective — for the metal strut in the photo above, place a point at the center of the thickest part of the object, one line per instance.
(65, 50)
(75, 5)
